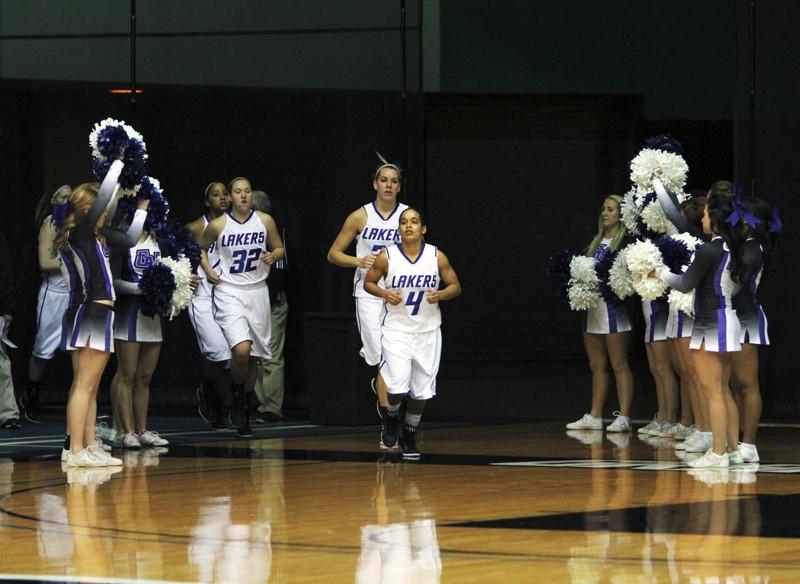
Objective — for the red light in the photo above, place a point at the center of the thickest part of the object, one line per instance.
(124, 91)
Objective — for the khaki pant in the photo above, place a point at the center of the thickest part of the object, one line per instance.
(270, 381)
(8, 403)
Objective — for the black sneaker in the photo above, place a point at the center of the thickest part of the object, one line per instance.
(204, 404)
(244, 431)
(389, 432)
(27, 403)
(10, 424)
(219, 422)
(267, 418)
(408, 442)
(236, 417)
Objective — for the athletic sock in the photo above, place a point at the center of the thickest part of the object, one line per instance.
(393, 410)
(66, 442)
(412, 420)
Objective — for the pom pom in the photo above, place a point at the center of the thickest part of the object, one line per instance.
(557, 270)
(157, 285)
(619, 277)
(683, 301)
(604, 259)
(112, 139)
(655, 219)
(649, 163)
(674, 252)
(158, 209)
(182, 275)
(644, 201)
(642, 258)
(583, 292)
(178, 241)
(629, 212)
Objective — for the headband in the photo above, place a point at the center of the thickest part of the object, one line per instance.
(386, 164)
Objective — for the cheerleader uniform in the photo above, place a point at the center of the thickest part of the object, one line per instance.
(130, 324)
(241, 301)
(751, 315)
(378, 233)
(411, 340)
(210, 337)
(655, 313)
(606, 317)
(679, 324)
(716, 326)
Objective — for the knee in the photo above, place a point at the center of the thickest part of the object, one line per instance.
(620, 367)
(598, 366)
(143, 379)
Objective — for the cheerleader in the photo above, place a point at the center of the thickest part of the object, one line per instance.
(760, 228)
(53, 299)
(606, 333)
(411, 338)
(83, 246)
(713, 275)
(137, 343)
(248, 243)
(373, 226)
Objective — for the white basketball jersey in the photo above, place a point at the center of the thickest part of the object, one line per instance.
(140, 257)
(240, 246)
(377, 234)
(204, 288)
(55, 279)
(412, 279)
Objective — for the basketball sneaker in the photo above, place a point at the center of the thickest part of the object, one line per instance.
(749, 452)
(236, 417)
(587, 422)
(408, 442)
(389, 431)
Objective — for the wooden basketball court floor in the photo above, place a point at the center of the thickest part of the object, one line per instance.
(522, 502)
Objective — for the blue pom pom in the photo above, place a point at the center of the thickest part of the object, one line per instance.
(664, 142)
(558, 272)
(177, 241)
(157, 285)
(157, 213)
(644, 231)
(112, 140)
(674, 252)
(604, 259)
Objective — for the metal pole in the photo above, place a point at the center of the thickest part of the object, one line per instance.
(133, 52)
(403, 46)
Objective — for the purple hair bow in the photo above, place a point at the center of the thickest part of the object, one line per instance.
(775, 224)
(741, 212)
(59, 213)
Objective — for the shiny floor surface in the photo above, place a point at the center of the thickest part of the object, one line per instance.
(495, 503)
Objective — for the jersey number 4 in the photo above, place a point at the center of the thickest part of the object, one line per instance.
(415, 299)
(245, 260)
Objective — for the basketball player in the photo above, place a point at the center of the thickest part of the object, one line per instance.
(248, 243)
(213, 346)
(411, 338)
(373, 226)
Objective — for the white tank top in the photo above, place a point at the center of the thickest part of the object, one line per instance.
(140, 257)
(239, 248)
(54, 279)
(204, 288)
(412, 279)
(377, 234)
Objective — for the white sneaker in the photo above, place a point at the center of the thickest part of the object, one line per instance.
(701, 443)
(587, 422)
(64, 454)
(149, 438)
(749, 452)
(102, 445)
(130, 440)
(735, 457)
(104, 457)
(82, 458)
(621, 424)
(649, 427)
(710, 460)
(586, 436)
(104, 432)
(681, 445)
(664, 430)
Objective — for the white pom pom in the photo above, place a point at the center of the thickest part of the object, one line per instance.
(583, 290)
(642, 258)
(182, 272)
(669, 167)
(655, 218)
(691, 241)
(619, 278)
(682, 301)
(629, 212)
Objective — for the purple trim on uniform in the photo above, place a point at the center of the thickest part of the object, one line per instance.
(652, 320)
(612, 318)
(86, 271)
(762, 325)
(230, 214)
(133, 320)
(74, 279)
(679, 314)
(389, 216)
(76, 327)
(722, 331)
(718, 279)
(106, 276)
(109, 332)
(65, 330)
(421, 251)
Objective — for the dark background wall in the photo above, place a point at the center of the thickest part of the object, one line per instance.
(536, 110)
